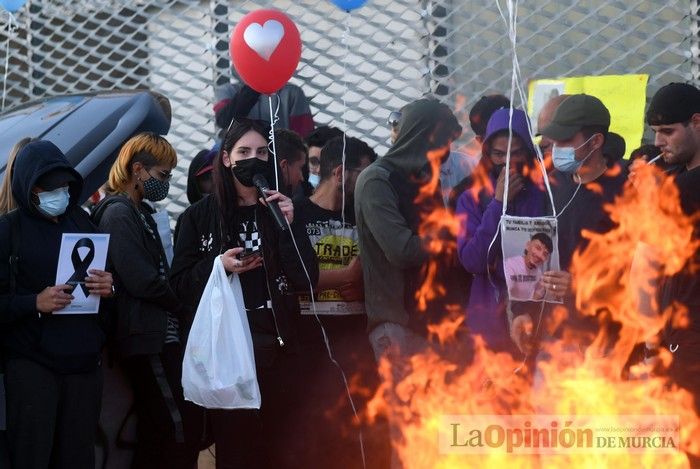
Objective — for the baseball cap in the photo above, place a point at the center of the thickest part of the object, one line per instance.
(55, 178)
(207, 163)
(673, 103)
(574, 113)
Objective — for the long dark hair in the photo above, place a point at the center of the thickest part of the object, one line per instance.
(224, 187)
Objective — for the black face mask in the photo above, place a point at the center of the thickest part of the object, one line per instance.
(244, 170)
(496, 169)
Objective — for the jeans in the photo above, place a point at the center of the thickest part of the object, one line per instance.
(397, 344)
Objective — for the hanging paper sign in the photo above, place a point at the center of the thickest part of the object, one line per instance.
(79, 253)
(265, 50)
(529, 250)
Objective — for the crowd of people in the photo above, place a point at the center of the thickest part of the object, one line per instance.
(332, 291)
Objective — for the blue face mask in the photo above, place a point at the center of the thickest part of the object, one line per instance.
(564, 158)
(54, 203)
(314, 179)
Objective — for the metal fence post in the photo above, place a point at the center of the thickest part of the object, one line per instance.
(695, 41)
(222, 64)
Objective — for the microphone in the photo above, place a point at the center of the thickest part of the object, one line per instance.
(262, 185)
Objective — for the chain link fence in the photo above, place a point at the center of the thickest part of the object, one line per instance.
(355, 67)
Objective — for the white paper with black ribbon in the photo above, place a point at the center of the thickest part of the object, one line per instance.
(79, 253)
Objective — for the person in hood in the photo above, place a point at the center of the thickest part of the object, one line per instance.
(147, 338)
(480, 207)
(53, 378)
(234, 224)
(199, 181)
(388, 218)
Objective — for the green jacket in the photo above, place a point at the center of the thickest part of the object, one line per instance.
(387, 218)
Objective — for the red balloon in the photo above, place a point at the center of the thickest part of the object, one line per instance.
(265, 49)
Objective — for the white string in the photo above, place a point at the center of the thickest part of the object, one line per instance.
(346, 33)
(328, 347)
(571, 199)
(11, 25)
(274, 117)
(517, 81)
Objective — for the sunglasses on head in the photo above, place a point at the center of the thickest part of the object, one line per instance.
(394, 118)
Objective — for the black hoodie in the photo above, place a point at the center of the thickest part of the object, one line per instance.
(64, 343)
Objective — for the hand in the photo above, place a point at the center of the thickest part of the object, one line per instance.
(53, 298)
(557, 282)
(284, 202)
(515, 184)
(633, 170)
(521, 333)
(234, 265)
(352, 291)
(99, 283)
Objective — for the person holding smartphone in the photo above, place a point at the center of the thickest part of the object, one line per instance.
(273, 265)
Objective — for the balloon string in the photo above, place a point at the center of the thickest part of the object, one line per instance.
(346, 33)
(11, 23)
(511, 25)
(274, 117)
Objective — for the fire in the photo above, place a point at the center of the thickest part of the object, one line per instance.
(577, 375)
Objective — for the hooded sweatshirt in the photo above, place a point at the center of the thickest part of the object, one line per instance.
(200, 161)
(388, 218)
(481, 215)
(64, 343)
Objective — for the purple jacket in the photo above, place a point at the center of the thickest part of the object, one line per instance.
(486, 311)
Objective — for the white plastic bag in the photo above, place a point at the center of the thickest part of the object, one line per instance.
(218, 371)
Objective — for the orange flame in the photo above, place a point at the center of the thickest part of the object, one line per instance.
(612, 275)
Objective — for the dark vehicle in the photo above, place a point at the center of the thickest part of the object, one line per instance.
(89, 128)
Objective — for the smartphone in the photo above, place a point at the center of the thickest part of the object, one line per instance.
(247, 253)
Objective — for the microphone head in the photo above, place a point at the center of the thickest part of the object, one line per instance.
(260, 181)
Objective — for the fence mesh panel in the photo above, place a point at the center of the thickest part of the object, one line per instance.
(355, 67)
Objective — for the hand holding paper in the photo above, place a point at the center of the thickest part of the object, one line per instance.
(99, 283)
(54, 298)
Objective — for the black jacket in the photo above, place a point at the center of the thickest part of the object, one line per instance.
(684, 287)
(144, 296)
(64, 343)
(200, 241)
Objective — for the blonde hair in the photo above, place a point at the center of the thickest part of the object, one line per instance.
(148, 148)
(7, 201)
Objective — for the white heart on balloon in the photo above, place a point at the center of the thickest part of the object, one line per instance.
(264, 39)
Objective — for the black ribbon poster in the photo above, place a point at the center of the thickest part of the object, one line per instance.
(81, 266)
(79, 253)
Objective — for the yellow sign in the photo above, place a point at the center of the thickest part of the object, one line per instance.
(623, 95)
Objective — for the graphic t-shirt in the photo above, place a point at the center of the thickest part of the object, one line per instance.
(253, 282)
(336, 245)
(521, 280)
